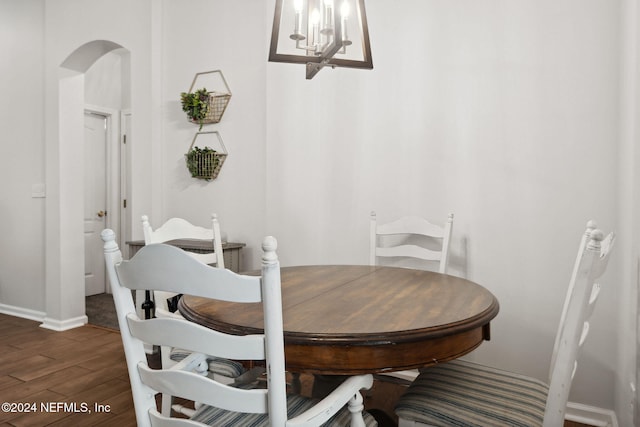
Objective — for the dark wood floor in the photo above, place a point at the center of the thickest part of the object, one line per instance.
(77, 371)
(81, 366)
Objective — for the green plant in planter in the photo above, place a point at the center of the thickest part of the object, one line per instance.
(195, 104)
(202, 162)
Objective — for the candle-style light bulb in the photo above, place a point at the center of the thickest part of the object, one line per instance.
(344, 9)
(327, 22)
(297, 33)
(314, 20)
(344, 13)
(315, 17)
(328, 10)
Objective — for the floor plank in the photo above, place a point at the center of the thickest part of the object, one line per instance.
(20, 392)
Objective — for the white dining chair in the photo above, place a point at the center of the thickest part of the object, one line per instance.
(227, 371)
(178, 229)
(167, 268)
(409, 237)
(462, 393)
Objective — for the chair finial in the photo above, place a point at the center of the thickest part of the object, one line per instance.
(596, 237)
(269, 246)
(109, 239)
(145, 218)
(214, 220)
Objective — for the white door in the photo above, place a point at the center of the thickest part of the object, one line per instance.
(95, 200)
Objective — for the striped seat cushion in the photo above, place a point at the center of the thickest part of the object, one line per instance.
(217, 365)
(295, 405)
(462, 393)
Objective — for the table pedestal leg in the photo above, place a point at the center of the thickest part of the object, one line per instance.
(296, 385)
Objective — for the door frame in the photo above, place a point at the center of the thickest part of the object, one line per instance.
(125, 141)
(114, 169)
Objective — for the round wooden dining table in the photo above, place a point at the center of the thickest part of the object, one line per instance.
(349, 319)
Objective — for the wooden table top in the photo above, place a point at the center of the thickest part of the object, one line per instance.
(363, 319)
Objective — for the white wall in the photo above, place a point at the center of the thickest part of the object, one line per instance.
(104, 81)
(229, 37)
(21, 155)
(504, 113)
(627, 399)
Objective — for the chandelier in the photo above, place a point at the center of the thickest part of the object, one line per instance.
(321, 33)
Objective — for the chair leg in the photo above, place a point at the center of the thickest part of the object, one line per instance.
(166, 404)
(183, 410)
(356, 407)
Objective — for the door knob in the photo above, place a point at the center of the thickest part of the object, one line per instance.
(102, 213)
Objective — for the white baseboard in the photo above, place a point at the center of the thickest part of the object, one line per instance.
(63, 325)
(24, 313)
(591, 415)
(40, 316)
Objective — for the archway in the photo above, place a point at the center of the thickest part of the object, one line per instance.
(65, 304)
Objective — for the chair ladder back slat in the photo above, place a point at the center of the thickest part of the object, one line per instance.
(411, 225)
(181, 333)
(583, 335)
(601, 266)
(198, 388)
(595, 293)
(591, 303)
(178, 228)
(412, 251)
(153, 267)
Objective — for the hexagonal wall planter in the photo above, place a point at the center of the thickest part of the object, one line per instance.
(205, 163)
(203, 106)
